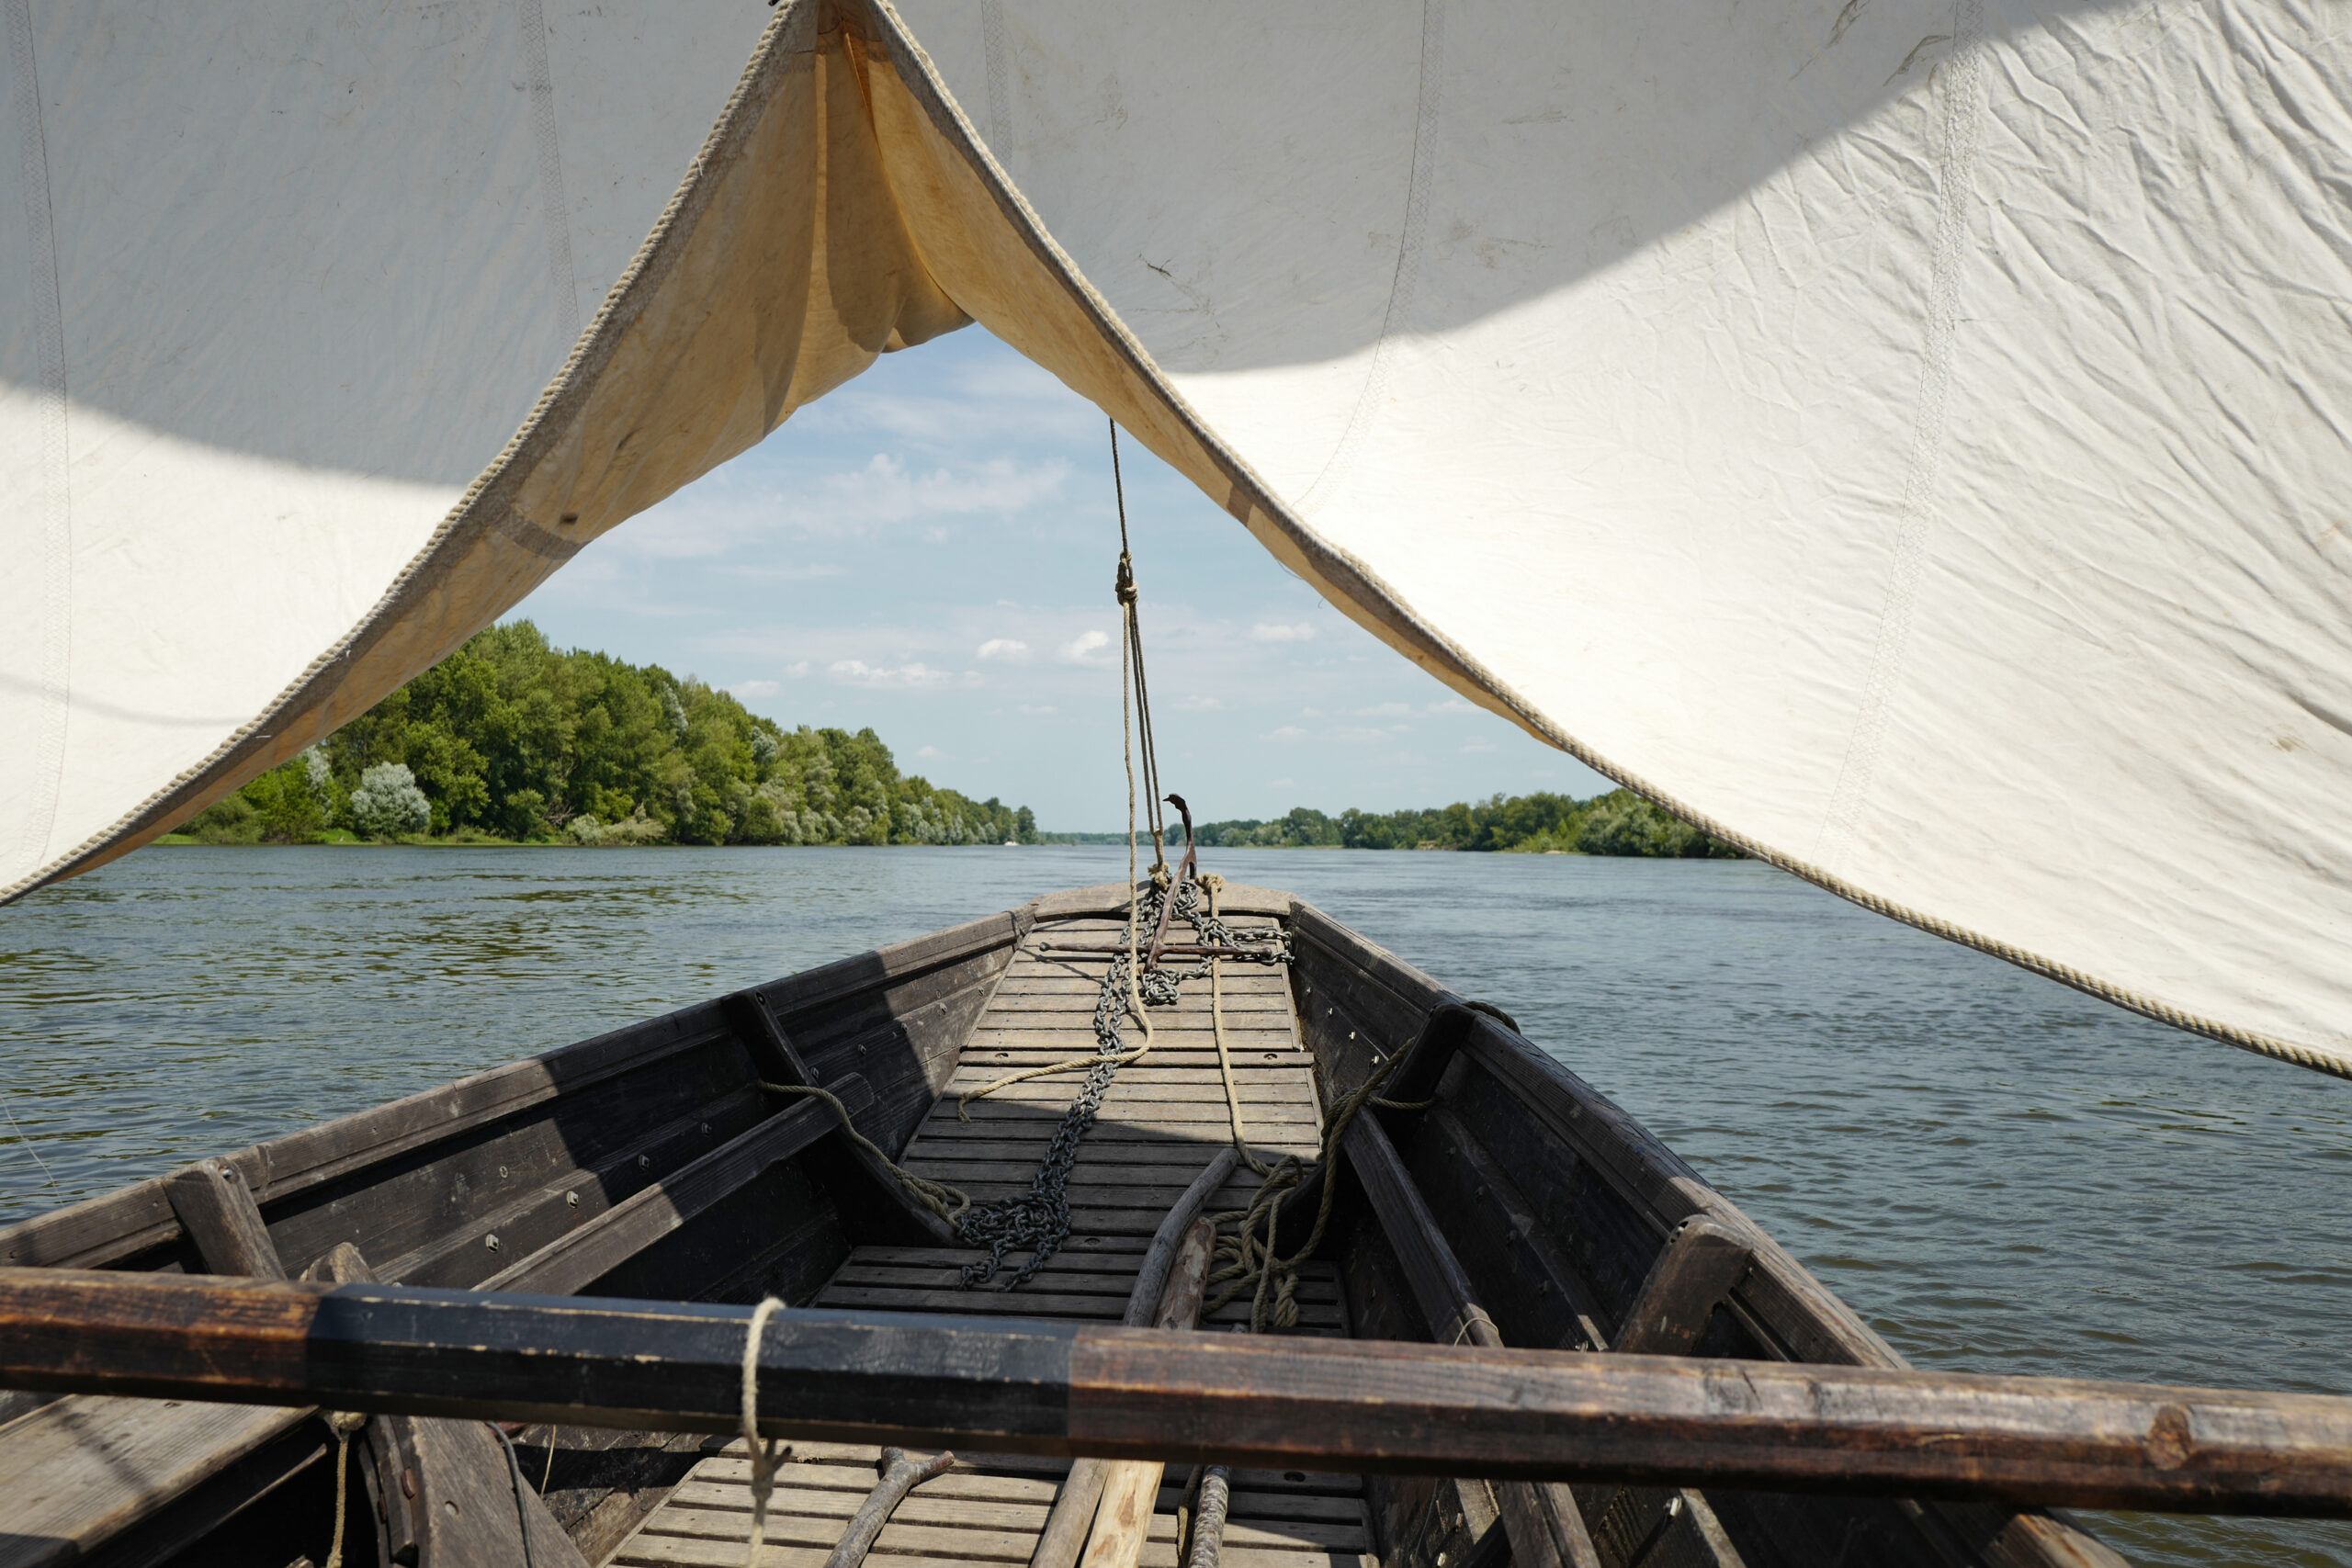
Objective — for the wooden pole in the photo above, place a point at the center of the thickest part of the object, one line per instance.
(1290, 1403)
(1072, 1515)
(1130, 1487)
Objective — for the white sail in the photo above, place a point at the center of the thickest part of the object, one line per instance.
(1908, 437)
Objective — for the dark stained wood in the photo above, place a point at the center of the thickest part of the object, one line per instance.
(595, 1250)
(1805, 1321)
(1122, 1392)
(1448, 1305)
(862, 1186)
(1547, 1528)
(1442, 1037)
(471, 1512)
(217, 1210)
(458, 1253)
(1065, 1529)
(1526, 1282)
(1171, 1241)
(258, 1488)
(1695, 1270)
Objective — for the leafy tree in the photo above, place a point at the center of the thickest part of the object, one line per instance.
(511, 738)
(1618, 823)
(387, 804)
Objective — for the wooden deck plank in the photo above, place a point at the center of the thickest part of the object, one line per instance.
(1164, 1118)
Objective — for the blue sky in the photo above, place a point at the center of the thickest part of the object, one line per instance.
(930, 551)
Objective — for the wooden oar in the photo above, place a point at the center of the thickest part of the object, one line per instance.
(1292, 1403)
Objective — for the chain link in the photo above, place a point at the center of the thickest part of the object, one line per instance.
(1038, 1220)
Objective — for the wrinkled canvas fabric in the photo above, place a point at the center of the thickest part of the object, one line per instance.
(1909, 438)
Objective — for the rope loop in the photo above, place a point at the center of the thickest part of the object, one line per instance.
(343, 1424)
(764, 1456)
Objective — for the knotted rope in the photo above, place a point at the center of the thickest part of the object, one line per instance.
(342, 1424)
(764, 1456)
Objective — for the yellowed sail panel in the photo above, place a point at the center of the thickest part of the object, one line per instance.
(1909, 438)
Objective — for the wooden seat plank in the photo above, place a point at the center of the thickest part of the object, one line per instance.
(77, 1472)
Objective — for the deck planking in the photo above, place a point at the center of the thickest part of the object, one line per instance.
(1165, 1118)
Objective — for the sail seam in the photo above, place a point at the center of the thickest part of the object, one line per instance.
(488, 501)
(56, 453)
(1964, 74)
(1406, 280)
(1353, 586)
(546, 132)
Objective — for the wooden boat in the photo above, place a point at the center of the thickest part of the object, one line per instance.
(1516, 1206)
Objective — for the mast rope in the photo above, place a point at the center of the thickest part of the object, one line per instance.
(1038, 1221)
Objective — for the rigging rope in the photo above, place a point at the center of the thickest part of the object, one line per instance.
(1038, 1221)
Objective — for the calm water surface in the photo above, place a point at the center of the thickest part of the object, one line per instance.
(2000, 1174)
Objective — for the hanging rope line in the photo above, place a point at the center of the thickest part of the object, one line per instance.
(764, 1456)
(1038, 1221)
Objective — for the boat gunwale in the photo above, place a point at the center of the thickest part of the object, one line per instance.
(138, 1217)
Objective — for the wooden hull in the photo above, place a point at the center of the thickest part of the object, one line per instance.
(650, 1162)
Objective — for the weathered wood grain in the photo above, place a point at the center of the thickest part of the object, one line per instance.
(1131, 1487)
(575, 1261)
(79, 1472)
(217, 1210)
(1547, 1528)
(1121, 1392)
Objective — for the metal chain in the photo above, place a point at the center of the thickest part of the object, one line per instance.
(1038, 1220)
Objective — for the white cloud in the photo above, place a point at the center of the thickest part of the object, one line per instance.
(1003, 647)
(1282, 783)
(746, 689)
(1385, 710)
(798, 669)
(930, 753)
(1201, 704)
(1476, 746)
(1040, 709)
(1453, 704)
(1352, 732)
(912, 675)
(1087, 647)
(1287, 732)
(721, 514)
(1274, 632)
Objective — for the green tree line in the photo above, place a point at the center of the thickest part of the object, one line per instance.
(509, 739)
(1618, 823)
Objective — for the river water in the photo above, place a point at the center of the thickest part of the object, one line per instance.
(2000, 1174)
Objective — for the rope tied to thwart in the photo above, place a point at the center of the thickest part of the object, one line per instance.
(948, 1202)
(765, 1457)
(343, 1424)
